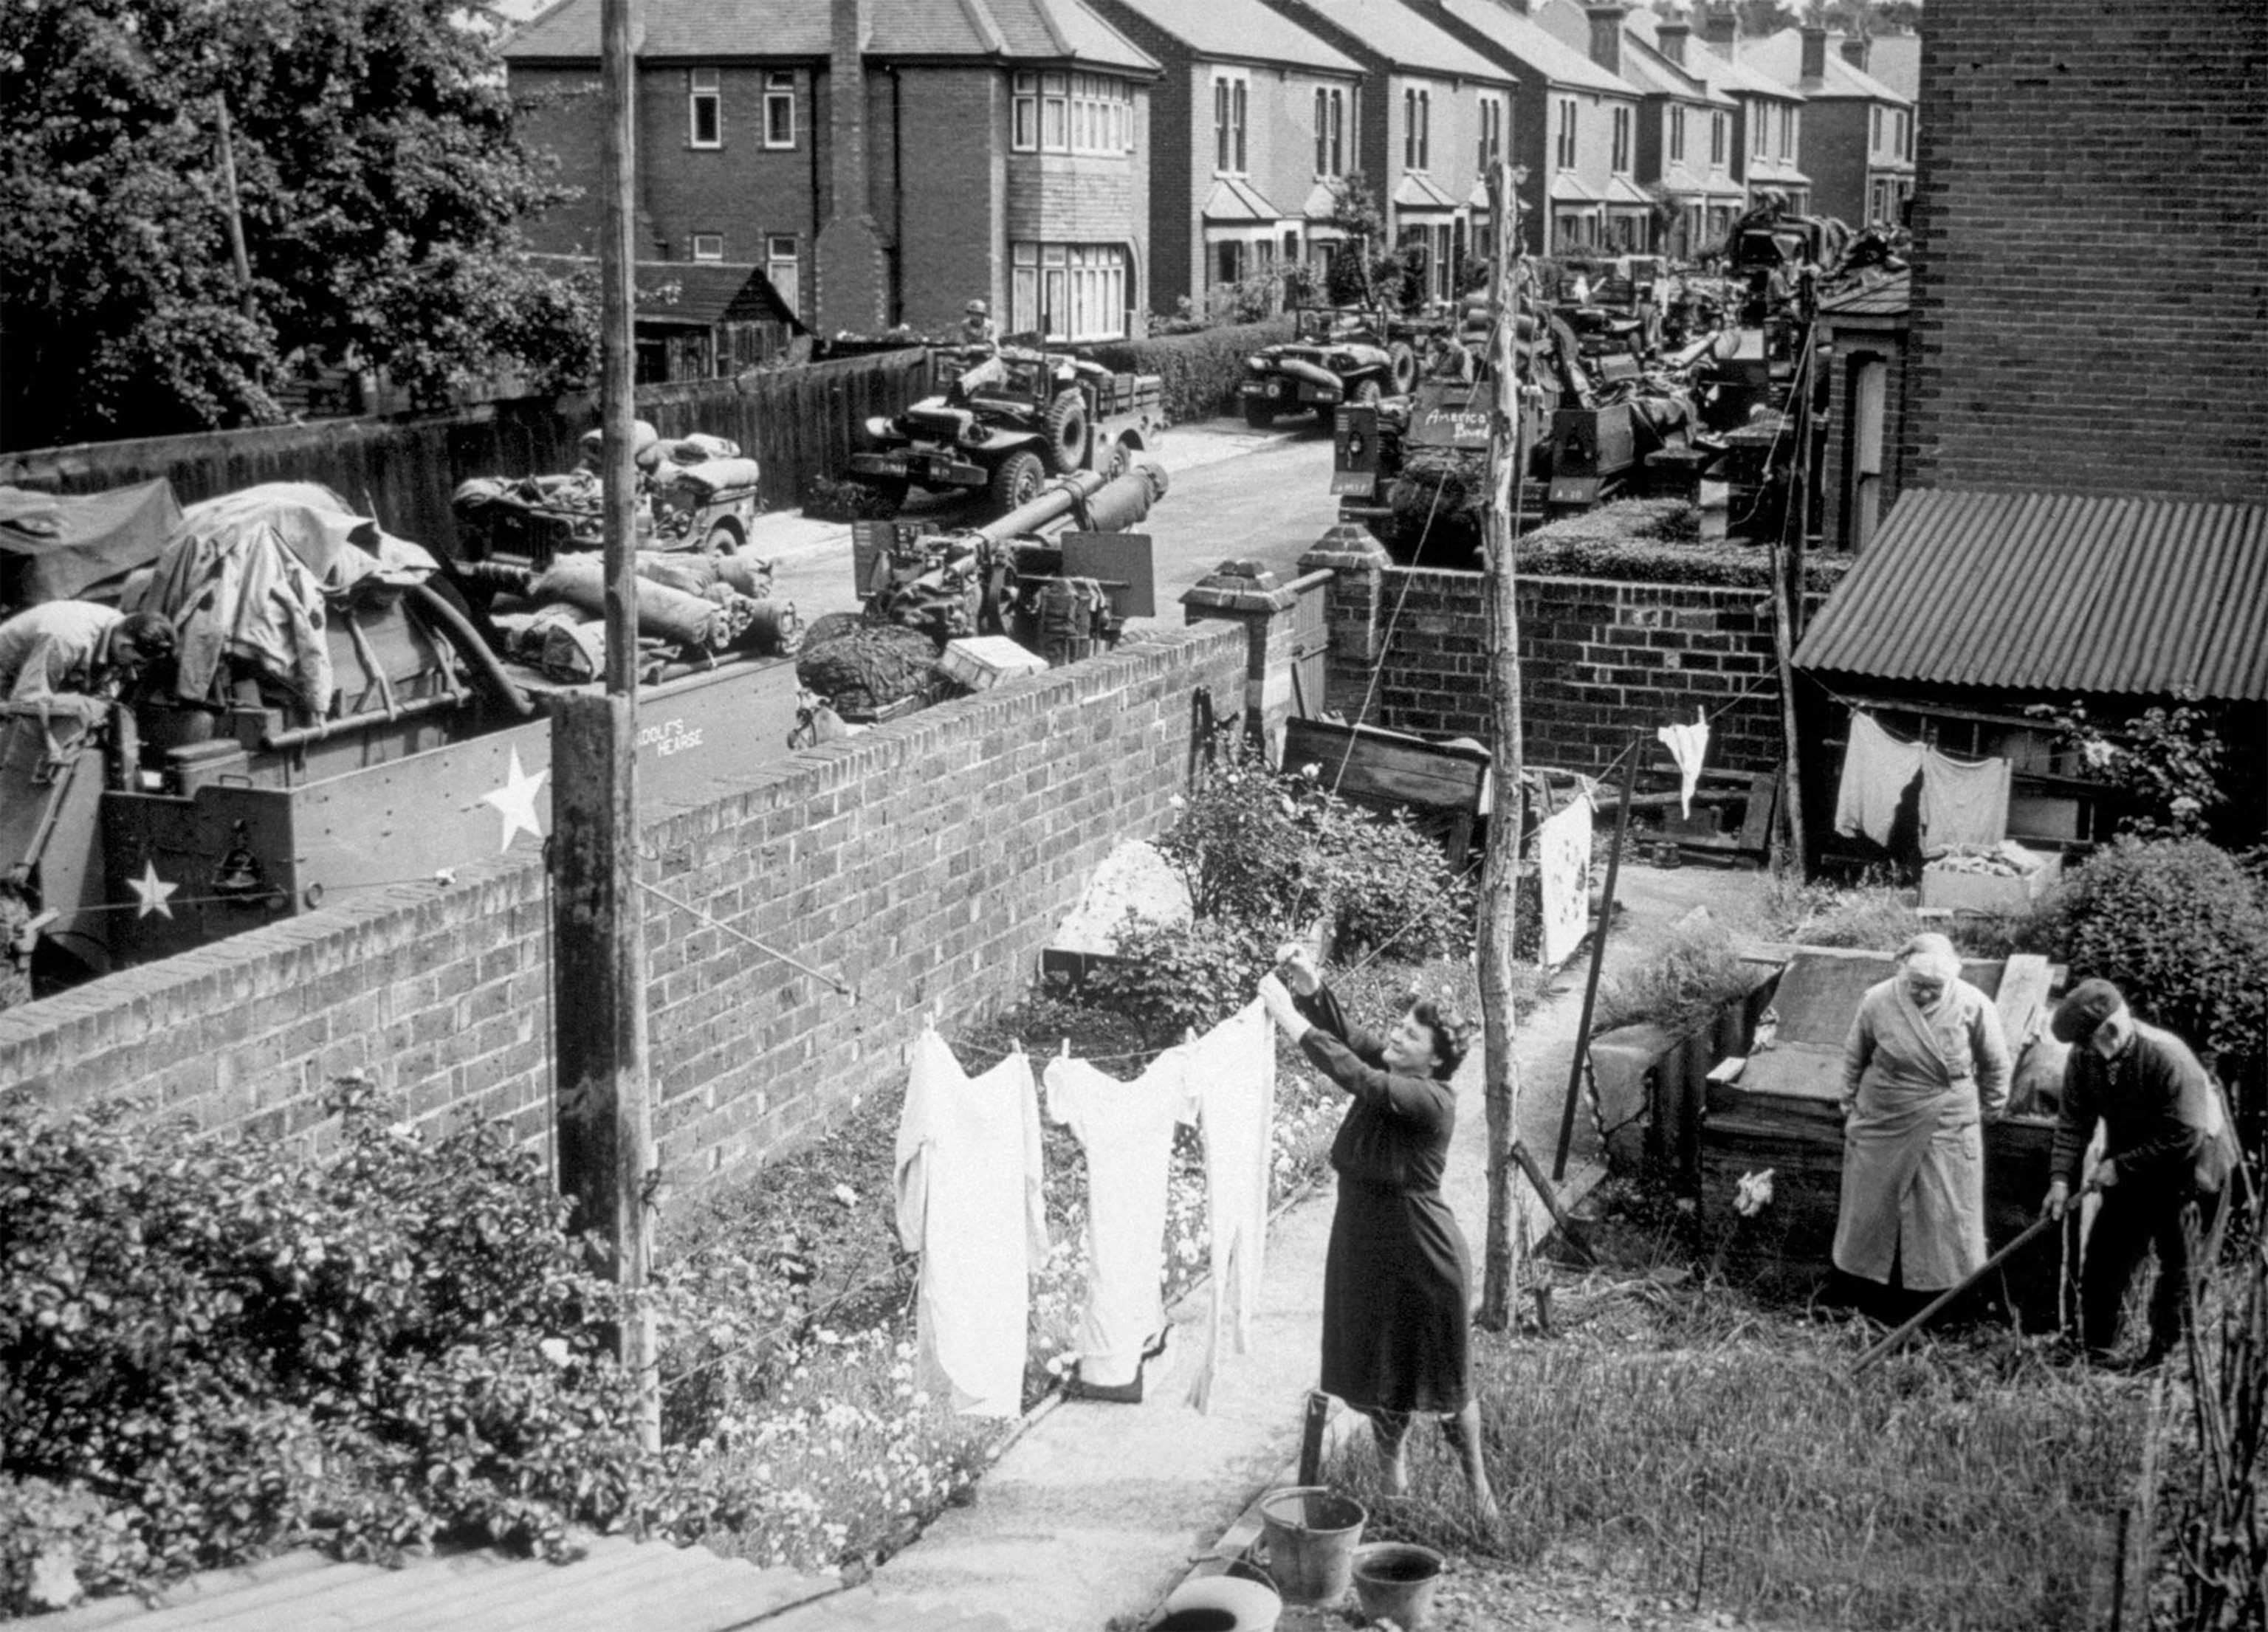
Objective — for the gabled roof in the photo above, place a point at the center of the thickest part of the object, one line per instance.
(1780, 56)
(2056, 592)
(1417, 192)
(1407, 39)
(1231, 199)
(771, 30)
(1242, 29)
(1535, 46)
(1655, 74)
(692, 294)
(1729, 76)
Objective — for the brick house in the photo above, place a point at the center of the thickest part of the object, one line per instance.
(2080, 453)
(1685, 124)
(1574, 127)
(884, 162)
(1858, 135)
(1769, 126)
(1434, 111)
(1255, 119)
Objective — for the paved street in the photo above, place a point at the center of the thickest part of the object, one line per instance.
(1259, 495)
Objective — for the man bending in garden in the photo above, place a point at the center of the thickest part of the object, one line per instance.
(2167, 1151)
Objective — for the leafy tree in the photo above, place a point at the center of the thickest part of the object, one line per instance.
(379, 185)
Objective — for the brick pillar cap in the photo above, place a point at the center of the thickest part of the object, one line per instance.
(1233, 594)
(1345, 546)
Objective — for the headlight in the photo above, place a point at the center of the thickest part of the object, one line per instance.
(1257, 365)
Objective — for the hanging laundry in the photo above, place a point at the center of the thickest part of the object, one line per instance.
(1877, 770)
(1686, 745)
(1231, 1073)
(967, 1179)
(1963, 801)
(1127, 1130)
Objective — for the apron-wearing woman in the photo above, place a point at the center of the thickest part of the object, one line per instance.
(1924, 1064)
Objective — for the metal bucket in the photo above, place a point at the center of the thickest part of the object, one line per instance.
(1395, 1580)
(1307, 1538)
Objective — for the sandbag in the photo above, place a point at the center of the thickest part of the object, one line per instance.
(663, 612)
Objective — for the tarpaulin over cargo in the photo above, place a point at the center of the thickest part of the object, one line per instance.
(62, 546)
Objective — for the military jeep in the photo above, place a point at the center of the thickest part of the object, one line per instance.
(1336, 355)
(1003, 421)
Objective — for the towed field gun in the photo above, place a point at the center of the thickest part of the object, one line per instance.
(1000, 420)
(1053, 581)
(347, 711)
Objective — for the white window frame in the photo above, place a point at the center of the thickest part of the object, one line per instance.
(1055, 112)
(704, 88)
(1491, 149)
(1787, 134)
(1622, 143)
(1677, 132)
(1761, 115)
(1084, 288)
(779, 99)
(1565, 145)
(1719, 134)
(1232, 113)
(784, 266)
(708, 247)
(1024, 112)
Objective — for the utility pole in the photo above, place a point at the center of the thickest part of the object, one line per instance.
(236, 249)
(1500, 867)
(606, 1130)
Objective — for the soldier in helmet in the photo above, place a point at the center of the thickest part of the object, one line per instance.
(980, 348)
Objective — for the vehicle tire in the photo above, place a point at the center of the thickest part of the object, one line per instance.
(1064, 447)
(889, 492)
(725, 538)
(1258, 414)
(1015, 480)
(1116, 461)
(1402, 359)
(1368, 394)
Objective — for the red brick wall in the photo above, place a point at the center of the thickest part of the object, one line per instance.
(740, 190)
(926, 862)
(952, 238)
(1831, 148)
(1598, 661)
(2091, 275)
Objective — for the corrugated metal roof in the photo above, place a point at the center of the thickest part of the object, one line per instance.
(734, 30)
(1245, 29)
(2056, 592)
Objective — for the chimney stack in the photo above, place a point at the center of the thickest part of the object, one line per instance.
(1815, 52)
(1855, 47)
(1670, 35)
(1606, 36)
(850, 289)
(1722, 31)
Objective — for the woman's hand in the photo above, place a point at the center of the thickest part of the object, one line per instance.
(1297, 970)
(1278, 1001)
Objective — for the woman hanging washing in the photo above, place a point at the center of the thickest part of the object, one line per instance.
(1924, 1066)
(1396, 1282)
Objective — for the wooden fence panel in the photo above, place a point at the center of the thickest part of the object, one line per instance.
(799, 423)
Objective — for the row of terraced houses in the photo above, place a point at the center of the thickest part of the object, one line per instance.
(1080, 164)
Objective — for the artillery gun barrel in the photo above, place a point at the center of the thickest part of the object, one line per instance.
(1111, 504)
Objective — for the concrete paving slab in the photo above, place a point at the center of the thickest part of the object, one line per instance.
(1096, 1512)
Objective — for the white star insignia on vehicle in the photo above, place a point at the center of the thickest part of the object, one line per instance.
(516, 799)
(152, 891)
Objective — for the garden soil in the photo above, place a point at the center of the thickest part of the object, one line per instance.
(1095, 1511)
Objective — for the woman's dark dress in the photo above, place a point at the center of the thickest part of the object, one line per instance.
(1395, 1324)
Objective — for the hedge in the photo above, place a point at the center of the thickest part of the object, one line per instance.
(1658, 541)
(1201, 370)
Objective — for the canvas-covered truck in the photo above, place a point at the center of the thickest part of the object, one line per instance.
(359, 722)
(999, 421)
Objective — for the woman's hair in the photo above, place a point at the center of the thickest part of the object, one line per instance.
(1932, 953)
(1452, 1035)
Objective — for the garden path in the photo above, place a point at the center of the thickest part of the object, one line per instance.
(1097, 1511)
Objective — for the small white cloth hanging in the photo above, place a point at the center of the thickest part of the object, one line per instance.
(1686, 744)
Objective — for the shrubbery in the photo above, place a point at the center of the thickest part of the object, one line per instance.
(210, 1348)
(1267, 856)
(1201, 370)
(2182, 930)
(1657, 541)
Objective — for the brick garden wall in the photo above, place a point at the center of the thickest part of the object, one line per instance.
(1598, 661)
(926, 863)
(2091, 276)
